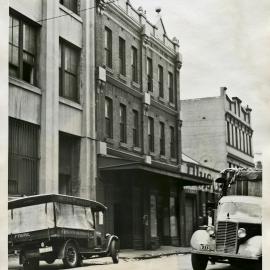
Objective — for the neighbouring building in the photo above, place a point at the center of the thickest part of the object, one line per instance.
(52, 98)
(139, 127)
(217, 132)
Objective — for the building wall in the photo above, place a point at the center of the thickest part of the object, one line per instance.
(203, 131)
(206, 136)
(40, 103)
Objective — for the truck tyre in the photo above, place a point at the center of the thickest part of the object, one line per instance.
(199, 262)
(71, 256)
(31, 264)
(114, 251)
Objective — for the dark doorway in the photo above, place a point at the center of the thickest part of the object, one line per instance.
(190, 217)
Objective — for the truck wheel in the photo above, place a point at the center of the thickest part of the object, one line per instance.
(71, 256)
(31, 264)
(199, 262)
(114, 251)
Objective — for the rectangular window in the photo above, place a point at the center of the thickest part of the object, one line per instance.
(23, 158)
(240, 139)
(123, 123)
(172, 142)
(244, 141)
(108, 117)
(232, 128)
(160, 81)
(250, 145)
(135, 128)
(151, 134)
(22, 50)
(228, 133)
(108, 47)
(134, 64)
(170, 87)
(122, 56)
(236, 137)
(68, 71)
(162, 139)
(149, 71)
(70, 4)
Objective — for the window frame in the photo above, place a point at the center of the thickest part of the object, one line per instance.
(123, 122)
(63, 47)
(151, 132)
(149, 72)
(161, 81)
(162, 138)
(67, 5)
(135, 130)
(108, 119)
(122, 56)
(171, 87)
(172, 142)
(22, 51)
(108, 47)
(134, 64)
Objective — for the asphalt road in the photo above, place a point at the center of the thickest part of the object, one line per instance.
(175, 262)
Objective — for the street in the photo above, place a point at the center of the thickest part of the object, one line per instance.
(175, 262)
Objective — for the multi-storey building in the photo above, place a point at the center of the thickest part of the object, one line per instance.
(138, 122)
(217, 132)
(51, 98)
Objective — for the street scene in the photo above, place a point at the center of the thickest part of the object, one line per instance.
(114, 160)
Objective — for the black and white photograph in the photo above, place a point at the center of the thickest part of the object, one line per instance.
(134, 134)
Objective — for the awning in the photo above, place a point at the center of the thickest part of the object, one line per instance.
(169, 172)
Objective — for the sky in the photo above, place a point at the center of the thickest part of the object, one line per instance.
(223, 43)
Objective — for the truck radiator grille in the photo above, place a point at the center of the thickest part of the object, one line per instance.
(226, 237)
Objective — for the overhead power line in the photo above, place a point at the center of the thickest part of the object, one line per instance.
(70, 13)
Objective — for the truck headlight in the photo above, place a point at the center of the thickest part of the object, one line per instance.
(210, 230)
(242, 233)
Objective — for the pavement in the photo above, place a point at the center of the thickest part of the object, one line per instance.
(149, 254)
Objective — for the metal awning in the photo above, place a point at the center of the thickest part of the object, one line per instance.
(169, 172)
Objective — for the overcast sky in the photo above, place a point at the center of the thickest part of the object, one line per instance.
(223, 43)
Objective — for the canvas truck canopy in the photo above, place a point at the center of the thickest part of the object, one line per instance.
(48, 211)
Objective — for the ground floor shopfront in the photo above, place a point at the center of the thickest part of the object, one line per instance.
(147, 206)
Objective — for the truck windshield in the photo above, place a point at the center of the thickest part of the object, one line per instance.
(239, 210)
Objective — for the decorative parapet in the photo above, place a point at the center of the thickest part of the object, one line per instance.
(150, 30)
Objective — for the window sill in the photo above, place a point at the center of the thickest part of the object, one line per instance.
(109, 141)
(109, 70)
(123, 78)
(162, 157)
(24, 85)
(123, 145)
(135, 84)
(70, 103)
(152, 154)
(137, 149)
(161, 99)
(173, 160)
(71, 13)
(172, 105)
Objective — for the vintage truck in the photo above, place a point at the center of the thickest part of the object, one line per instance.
(236, 236)
(52, 226)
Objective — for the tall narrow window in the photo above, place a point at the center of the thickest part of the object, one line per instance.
(162, 139)
(122, 56)
(108, 118)
(250, 145)
(160, 81)
(236, 137)
(134, 64)
(149, 70)
(172, 142)
(123, 123)
(22, 50)
(108, 47)
(70, 4)
(244, 141)
(232, 128)
(240, 139)
(151, 134)
(135, 128)
(170, 87)
(228, 133)
(68, 71)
